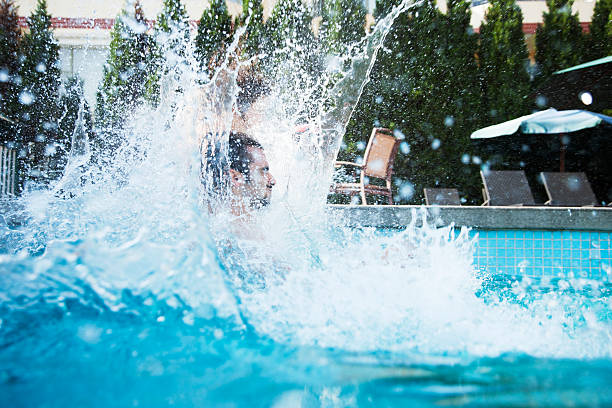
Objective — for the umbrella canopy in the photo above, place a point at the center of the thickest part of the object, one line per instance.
(550, 121)
(565, 89)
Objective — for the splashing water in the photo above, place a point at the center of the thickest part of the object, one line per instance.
(121, 287)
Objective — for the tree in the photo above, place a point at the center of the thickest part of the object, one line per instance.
(425, 86)
(599, 40)
(129, 61)
(10, 35)
(255, 38)
(294, 57)
(215, 32)
(559, 40)
(503, 62)
(171, 37)
(173, 18)
(40, 76)
(291, 37)
(452, 103)
(71, 101)
(343, 23)
(387, 79)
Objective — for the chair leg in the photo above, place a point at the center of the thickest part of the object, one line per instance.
(390, 199)
(362, 194)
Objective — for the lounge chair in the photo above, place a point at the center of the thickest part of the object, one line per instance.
(506, 188)
(377, 163)
(568, 189)
(441, 196)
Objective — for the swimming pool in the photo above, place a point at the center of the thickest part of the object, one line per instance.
(424, 331)
(118, 286)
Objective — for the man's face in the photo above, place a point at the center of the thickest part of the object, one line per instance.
(258, 187)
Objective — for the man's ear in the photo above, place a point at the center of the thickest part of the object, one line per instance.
(236, 177)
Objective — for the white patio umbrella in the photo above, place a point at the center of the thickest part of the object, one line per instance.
(548, 122)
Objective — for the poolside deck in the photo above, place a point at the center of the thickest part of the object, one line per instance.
(541, 217)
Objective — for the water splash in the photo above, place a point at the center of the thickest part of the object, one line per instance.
(134, 237)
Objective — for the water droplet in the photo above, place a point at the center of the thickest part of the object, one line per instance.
(436, 144)
(586, 98)
(406, 191)
(50, 150)
(26, 98)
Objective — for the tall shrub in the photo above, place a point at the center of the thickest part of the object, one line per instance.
(599, 40)
(343, 22)
(215, 32)
(503, 62)
(171, 37)
(453, 104)
(385, 91)
(425, 86)
(559, 40)
(10, 35)
(40, 75)
(129, 62)
(71, 100)
(291, 35)
(255, 38)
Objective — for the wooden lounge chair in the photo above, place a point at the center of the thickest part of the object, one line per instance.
(506, 188)
(441, 196)
(568, 189)
(377, 163)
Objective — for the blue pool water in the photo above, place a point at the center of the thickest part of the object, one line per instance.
(70, 336)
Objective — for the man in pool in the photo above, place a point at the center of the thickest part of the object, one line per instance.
(250, 180)
(242, 180)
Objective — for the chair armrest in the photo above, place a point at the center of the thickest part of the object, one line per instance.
(345, 163)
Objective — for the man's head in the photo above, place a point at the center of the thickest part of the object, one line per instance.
(250, 179)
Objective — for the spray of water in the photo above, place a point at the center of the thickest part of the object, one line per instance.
(132, 231)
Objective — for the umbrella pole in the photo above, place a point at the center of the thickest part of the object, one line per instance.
(562, 154)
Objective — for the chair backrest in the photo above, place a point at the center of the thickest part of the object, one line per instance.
(380, 153)
(507, 188)
(568, 189)
(441, 196)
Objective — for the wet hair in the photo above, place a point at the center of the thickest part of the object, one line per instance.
(218, 161)
(238, 154)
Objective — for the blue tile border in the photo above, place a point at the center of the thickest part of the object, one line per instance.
(544, 253)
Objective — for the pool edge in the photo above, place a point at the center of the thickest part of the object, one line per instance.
(533, 218)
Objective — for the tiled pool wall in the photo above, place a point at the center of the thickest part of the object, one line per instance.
(538, 241)
(539, 253)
